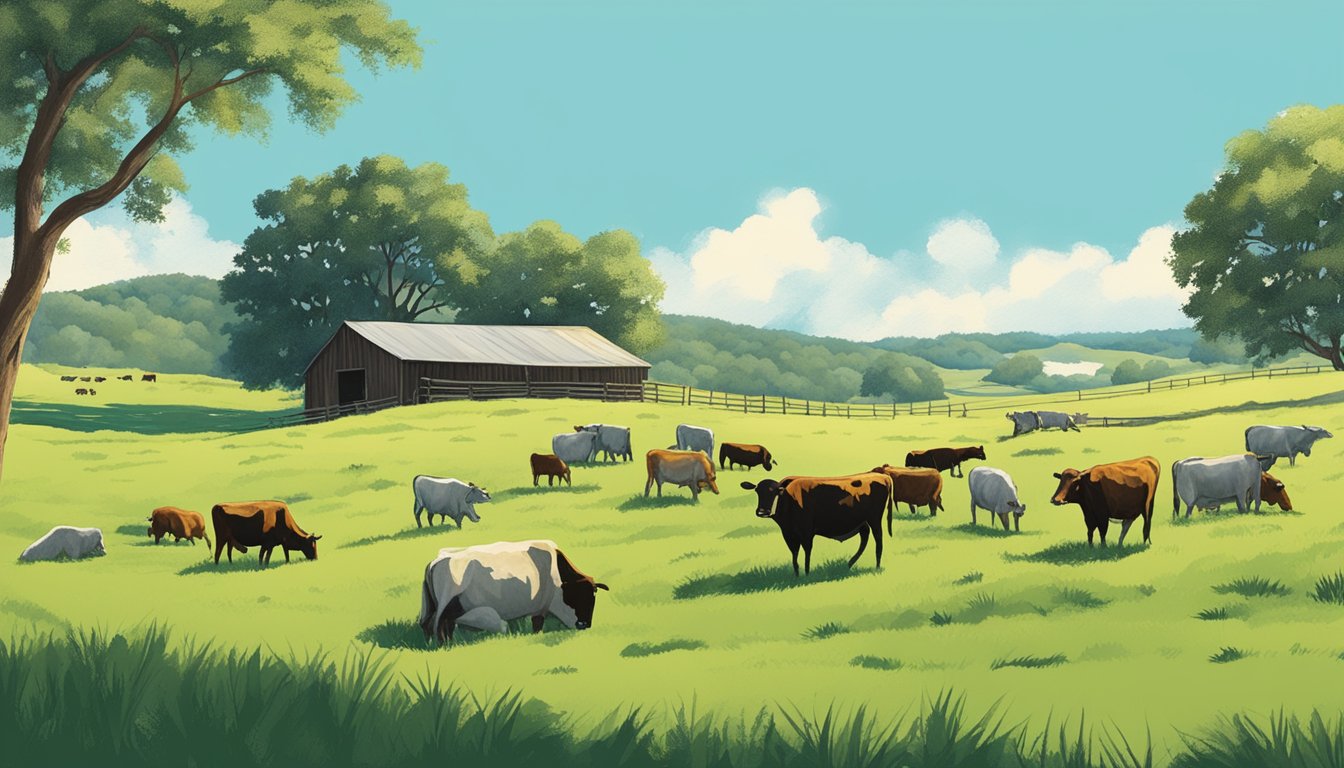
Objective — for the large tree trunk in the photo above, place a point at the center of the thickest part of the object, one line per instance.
(18, 304)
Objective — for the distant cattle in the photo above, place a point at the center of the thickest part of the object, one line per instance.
(745, 454)
(150, 377)
(575, 447)
(1023, 422)
(916, 486)
(1273, 443)
(688, 469)
(86, 378)
(68, 378)
(1123, 491)
(447, 497)
(945, 458)
(551, 466)
(99, 379)
(487, 586)
(178, 523)
(1201, 482)
(692, 438)
(1056, 420)
(994, 490)
(93, 391)
(1080, 419)
(833, 507)
(65, 541)
(263, 524)
(613, 441)
(127, 377)
(81, 391)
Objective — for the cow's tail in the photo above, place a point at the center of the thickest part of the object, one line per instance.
(428, 605)
(1175, 490)
(1248, 438)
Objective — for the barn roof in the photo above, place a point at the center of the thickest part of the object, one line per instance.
(574, 346)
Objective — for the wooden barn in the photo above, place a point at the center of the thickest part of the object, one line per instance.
(384, 363)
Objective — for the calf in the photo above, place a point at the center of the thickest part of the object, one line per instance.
(551, 466)
(447, 497)
(918, 487)
(178, 523)
(745, 454)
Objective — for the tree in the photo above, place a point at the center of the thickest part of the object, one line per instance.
(1156, 369)
(1127, 372)
(893, 376)
(98, 97)
(1263, 252)
(545, 276)
(381, 241)
(1016, 370)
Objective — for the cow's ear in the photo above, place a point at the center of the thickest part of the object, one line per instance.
(473, 485)
(315, 538)
(1058, 476)
(749, 486)
(600, 585)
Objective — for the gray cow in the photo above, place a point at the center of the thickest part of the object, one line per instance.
(575, 447)
(447, 497)
(993, 489)
(692, 438)
(65, 541)
(1023, 422)
(1056, 420)
(1200, 482)
(612, 441)
(1273, 443)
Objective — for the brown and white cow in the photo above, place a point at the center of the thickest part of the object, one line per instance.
(551, 466)
(916, 486)
(1123, 491)
(1272, 491)
(746, 454)
(178, 523)
(264, 524)
(945, 458)
(833, 507)
(688, 469)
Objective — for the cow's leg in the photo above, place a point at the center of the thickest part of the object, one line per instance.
(660, 489)
(695, 493)
(538, 622)
(647, 486)
(1124, 529)
(1003, 518)
(1292, 459)
(534, 479)
(483, 618)
(1188, 509)
(219, 548)
(1102, 527)
(973, 513)
(863, 544)
(793, 550)
(415, 510)
(448, 619)
(1017, 523)
(230, 553)
(1090, 529)
(1241, 505)
(1147, 527)
(807, 555)
(876, 526)
(286, 554)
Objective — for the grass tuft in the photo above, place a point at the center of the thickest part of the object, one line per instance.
(875, 662)
(823, 631)
(1227, 654)
(1030, 662)
(1050, 451)
(971, 578)
(941, 619)
(1214, 614)
(636, 650)
(1253, 586)
(1330, 589)
(1080, 598)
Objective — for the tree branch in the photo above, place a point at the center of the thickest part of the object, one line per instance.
(225, 82)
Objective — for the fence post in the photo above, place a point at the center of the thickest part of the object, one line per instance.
(1150, 387)
(807, 407)
(963, 410)
(823, 408)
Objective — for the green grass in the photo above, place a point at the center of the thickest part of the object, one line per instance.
(823, 631)
(770, 578)
(1030, 662)
(1079, 598)
(1330, 589)
(875, 662)
(973, 577)
(1253, 586)
(1078, 553)
(1221, 613)
(635, 650)
(941, 619)
(1228, 654)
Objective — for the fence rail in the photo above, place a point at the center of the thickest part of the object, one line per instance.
(313, 415)
(437, 390)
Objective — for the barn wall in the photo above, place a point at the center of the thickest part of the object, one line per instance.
(347, 349)
(510, 373)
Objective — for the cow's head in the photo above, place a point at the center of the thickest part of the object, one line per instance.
(977, 452)
(1272, 491)
(711, 481)
(1069, 490)
(767, 493)
(586, 427)
(476, 494)
(769, 460)
(307, 545)
(1317, 433)
(580, 596)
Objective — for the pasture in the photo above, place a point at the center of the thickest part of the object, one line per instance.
(1219, 615)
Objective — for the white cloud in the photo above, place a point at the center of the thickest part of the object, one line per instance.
(119, 249)
(777, 270)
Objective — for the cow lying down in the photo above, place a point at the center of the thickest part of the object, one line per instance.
(65, 541)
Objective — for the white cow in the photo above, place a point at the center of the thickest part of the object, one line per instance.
(1282, 442)
(1056, 420)
(575, 447)
(692, 438)
(612, 440)
(1202, 482)
(447, 497)
(65, 541)
(484, 587)
(1023, 422)
(993, 489)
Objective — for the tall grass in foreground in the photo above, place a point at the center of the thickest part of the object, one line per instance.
(91, 698)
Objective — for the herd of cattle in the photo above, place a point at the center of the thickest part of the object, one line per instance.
(150, 377)
(485, 587)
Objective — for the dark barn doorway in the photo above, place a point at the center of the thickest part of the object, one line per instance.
(350, 387)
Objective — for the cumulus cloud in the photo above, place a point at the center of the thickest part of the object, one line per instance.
(777, 270)
(117, 248)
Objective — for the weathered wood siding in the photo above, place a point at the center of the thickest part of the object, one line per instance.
(347, 350)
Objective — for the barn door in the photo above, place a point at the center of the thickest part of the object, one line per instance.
(350, 387)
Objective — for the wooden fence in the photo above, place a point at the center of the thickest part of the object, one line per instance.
(437, 390)
(313, 415)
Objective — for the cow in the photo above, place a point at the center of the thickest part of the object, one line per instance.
(551, 466)
(81, 391)
(127, 377)
(994, 490)
(65, 542)
(833, 507)
(1023, 422)
(99, 379)
(692, 438)
(918, 487)
(746, 454)
(1201, 482)
(1272, 492)
(1080, 419)
(447, 497)
(68, 378)
(688, 469)
(86, 378)
(575, 447)
(945, 458)
(1274, 443)
(487, 586)
(612, 441)
(178, 523)
(1056, 420)
(93, 391)
(264, 524)
(154, 377)
(1122, 491)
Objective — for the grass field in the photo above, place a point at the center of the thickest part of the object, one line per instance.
(1220, 615)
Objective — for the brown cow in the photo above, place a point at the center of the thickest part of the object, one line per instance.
(127, 377)
(86, 378)
(747, 454)
(99, 379)
(1272, 492)
(916, 486)
(1122, 491)
(178, 523)
(945, 458)
(264, 524)
(551, 466)
(81, 391)
(833, 507)
(688, 469)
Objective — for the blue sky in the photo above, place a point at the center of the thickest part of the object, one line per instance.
(1050, 124)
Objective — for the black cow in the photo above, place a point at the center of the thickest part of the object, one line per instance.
(264, 524)
(834, 507)
(945, 458)
(748, 455)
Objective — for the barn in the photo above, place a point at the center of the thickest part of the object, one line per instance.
(385, 363)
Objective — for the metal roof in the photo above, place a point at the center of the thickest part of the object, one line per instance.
(574, 346)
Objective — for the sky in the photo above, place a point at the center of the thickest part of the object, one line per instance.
(856, 169)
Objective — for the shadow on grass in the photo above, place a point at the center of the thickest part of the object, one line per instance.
(1199, 518)
(994, 530)
(907, 517)
(655, 502)
(748, 531)
(241, 563)
(138, 530)
(635, 650)
(144, 419)
(528, 490)
(408, 533)
(395, 634)
(766, 578)
(1077, 553)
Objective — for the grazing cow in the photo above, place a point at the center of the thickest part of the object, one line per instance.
(612, 441)
(1272, 443)
(447, 497)
(81, 391)
(99, 379)
(65, 541)
(487, 586)
(1080, 419)
(575, 447)
(68, 378)
(150, 377)
(127, 377)
(746, 454)
(1201, 482)
(1056, 420)
(834, 507)
(1023, 422)
(93, 391)
(86, 378)
(688, 469)
(692, 438)
(945, 458)
(551, 466)
(264, 524)
(1272, 492)
(178, 523)
(994, 490)
(1122, 491)
(918, 487)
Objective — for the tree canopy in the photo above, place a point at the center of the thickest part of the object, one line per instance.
(1017, 370)
(1265, 249)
